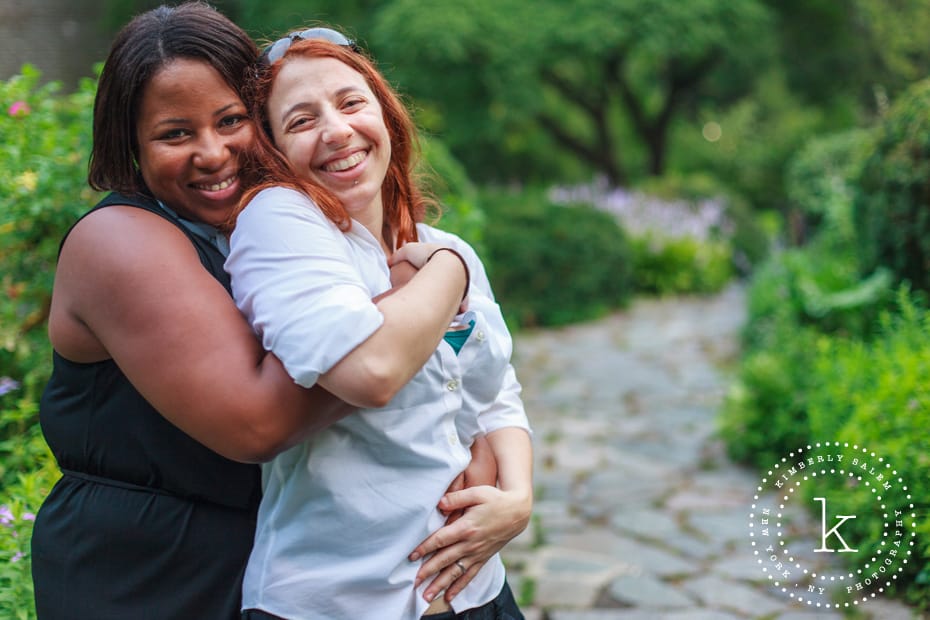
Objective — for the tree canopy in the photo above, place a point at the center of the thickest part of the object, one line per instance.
(593, 75)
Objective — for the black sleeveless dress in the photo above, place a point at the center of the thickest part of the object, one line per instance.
(145, 521)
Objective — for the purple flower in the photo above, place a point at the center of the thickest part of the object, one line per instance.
(6, 515)
(28, 516)
(644, 215)
(19, 108)
(7, 385)
(17, 556)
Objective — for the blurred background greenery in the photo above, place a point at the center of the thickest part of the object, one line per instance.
(593, 151)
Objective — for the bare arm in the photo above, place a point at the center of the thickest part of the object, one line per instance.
(130, 287)
(375, 371)
(295, 278)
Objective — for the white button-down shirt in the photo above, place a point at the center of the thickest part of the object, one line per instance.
(342, 511)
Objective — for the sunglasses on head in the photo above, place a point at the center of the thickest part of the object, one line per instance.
(276, 50)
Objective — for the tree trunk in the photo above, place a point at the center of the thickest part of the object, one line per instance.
(656, 143)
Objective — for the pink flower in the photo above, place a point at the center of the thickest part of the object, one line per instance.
(19, 108)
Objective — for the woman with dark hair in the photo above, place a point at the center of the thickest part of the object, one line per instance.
(335, 218)
(161, 399)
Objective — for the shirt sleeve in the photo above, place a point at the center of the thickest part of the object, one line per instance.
(507, 409)
(294, 278)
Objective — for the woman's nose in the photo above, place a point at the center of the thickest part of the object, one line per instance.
(212, 152)
(336, 130)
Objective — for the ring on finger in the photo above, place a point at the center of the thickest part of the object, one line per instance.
(461, 566)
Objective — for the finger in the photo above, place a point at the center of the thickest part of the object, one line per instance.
(459, 500)
(441, 560)
(402, 254)
(442, 537)
(445, 578)
(459, 584)
(454, 516)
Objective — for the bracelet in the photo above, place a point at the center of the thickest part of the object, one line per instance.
(464, 265)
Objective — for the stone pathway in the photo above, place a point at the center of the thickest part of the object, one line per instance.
(639, 515)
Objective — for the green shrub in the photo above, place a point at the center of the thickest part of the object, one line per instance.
(44, 142)
(818, 286)
(876, 395)
(891, 216)
(45, 138)
(742, 230)
(764, 413)
(796, 301)
(821, 181)
(799, 386)
(552, 265)
(680, 265)
(449, 182)
(18, 506)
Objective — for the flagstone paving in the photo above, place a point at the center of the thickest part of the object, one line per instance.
(639, 514)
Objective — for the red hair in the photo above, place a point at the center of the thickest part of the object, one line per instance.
(405, 203)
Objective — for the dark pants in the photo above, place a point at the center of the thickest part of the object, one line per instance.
(503, 607)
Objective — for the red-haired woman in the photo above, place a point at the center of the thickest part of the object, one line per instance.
(336, 217)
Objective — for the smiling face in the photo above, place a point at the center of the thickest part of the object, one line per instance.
(192, 129)
(327, 122)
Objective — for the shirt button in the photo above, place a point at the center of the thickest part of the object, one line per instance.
(452, 385)
(480, 336)
(453, 439)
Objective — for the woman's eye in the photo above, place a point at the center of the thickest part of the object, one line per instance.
(174, 134)
(301, 122)
(353, 103)
(232, 121)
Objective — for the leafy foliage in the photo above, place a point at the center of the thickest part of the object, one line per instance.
(458, 197)
(831, 354)
(44, 142)
(891, 216)
(797, 385)
(680, 265)
(552, 265)
(876, 395)
(758, 135)
(858, 48)
(565, 73)
(820, 181)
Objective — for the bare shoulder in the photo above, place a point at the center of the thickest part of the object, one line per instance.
(119, 267)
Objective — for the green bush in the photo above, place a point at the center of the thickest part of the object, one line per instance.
(820, 181)
(796, 301)
(552, 265)
(747, 239)
(20, 501)
(891, 215)
(799, 386)
(45, 138)
(680, 265)
(458, 197)
(876, 395)
(764, 413)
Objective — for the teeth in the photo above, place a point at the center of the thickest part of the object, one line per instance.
(218, 186)
(344, 164)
